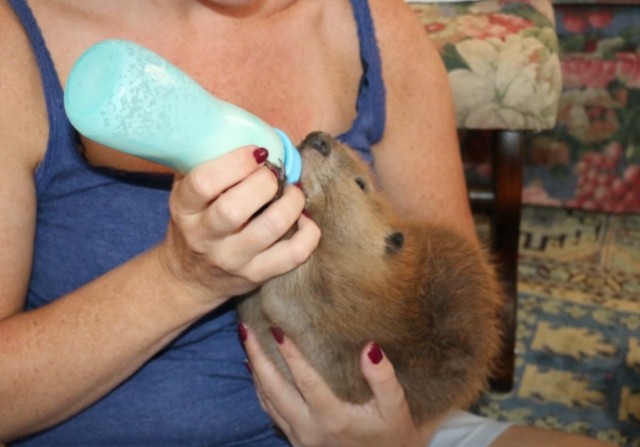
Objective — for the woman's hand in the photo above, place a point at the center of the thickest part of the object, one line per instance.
(311, 415)
(217, 243)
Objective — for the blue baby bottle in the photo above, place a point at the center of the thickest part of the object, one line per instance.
(127, 97)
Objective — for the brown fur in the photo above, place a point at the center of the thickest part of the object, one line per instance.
(431, 303)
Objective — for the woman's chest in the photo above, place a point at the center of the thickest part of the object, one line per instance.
(296, 78)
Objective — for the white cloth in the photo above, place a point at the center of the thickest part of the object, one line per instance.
(462, 429)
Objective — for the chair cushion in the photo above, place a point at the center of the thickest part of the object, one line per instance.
(502, 60)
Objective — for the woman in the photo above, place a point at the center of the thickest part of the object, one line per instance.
(115, 315)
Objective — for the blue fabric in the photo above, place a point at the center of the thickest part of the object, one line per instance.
(197, 391)
(368, 126)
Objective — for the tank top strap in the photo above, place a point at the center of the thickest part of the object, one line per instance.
(368, 126)
(61, 132)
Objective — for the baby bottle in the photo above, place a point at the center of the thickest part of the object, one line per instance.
(129, 98)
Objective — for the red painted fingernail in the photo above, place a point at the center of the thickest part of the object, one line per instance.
(298, 185)
(242, 331)
(375, 354)
(248, 365)
(260, 155)
(307, 214)
(278, 334)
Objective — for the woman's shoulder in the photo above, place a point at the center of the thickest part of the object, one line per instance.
(400, 35)
(395, 18)
(413, 70)
(419, 151)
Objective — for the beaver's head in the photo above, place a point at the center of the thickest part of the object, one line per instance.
(365, 254)
(365, 263)
(343, 200)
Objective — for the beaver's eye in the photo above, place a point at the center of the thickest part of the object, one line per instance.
(361, 183)
(394, 242)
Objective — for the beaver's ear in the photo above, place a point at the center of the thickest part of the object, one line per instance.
(394, 242)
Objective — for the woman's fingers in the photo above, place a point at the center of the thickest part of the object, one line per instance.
(259, 251)
(381, 376)
(195, 191)
(268, 406)
(314, 390)
(286, 254)
(234, 207)
(277, 394)
(217, 237)
(277, 218)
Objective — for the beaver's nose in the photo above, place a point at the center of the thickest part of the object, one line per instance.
(319, 141)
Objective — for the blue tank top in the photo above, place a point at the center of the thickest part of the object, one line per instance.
(197, 391)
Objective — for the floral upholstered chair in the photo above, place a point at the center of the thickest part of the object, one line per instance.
(504, 69)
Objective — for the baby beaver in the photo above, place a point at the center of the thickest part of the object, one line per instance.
(426, 295)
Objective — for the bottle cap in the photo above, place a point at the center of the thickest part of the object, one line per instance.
(292, 159)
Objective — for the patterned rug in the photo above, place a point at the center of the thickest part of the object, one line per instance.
(578, 339)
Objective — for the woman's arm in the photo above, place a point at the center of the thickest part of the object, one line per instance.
(418, 160)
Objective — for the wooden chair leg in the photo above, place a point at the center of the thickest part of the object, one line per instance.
(507, 159)
(501, 201)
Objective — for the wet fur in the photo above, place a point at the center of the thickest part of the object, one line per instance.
(426, 295)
